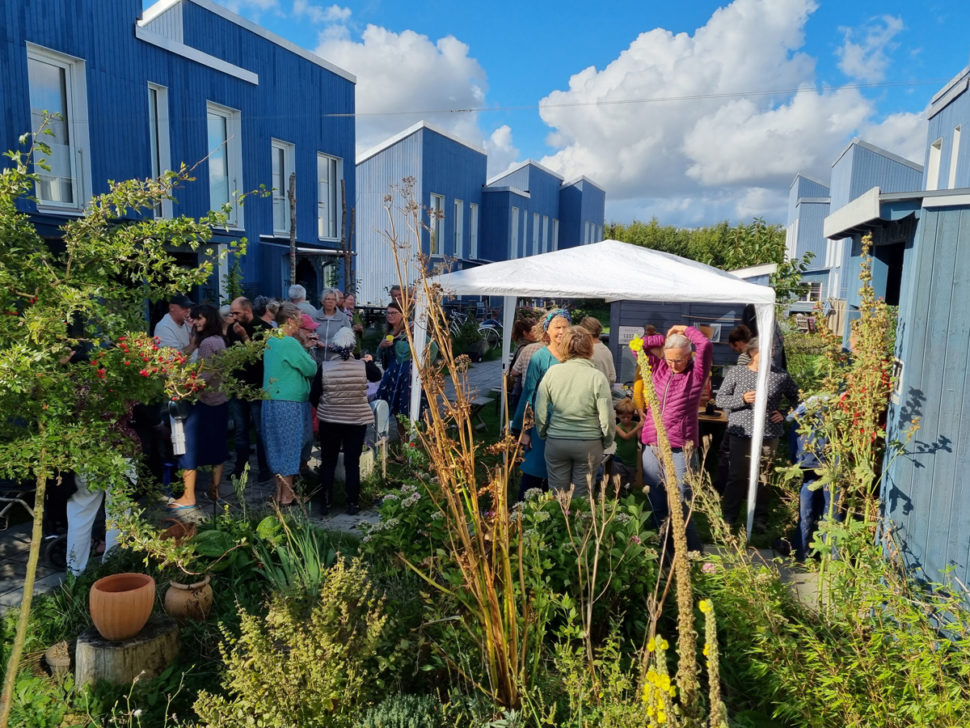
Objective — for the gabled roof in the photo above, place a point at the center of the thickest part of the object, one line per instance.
(587, 180)
(161, 7)
(810, 178)
(953, 88)
(413, 129)
(522, 165)
(880, 151)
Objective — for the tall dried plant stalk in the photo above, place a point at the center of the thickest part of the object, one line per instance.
(477, 517)
(687, 635)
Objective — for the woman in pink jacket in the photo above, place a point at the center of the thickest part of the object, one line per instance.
(678, 378)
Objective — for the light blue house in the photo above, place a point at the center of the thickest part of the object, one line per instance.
(921, 260)
(447, 175)
(467, 220)
(808, 206)
(142, 91)
(860, 167)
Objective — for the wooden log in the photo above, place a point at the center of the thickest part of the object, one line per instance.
(147, 653)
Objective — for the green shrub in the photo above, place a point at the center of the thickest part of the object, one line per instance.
(404, 711)
(285, 670)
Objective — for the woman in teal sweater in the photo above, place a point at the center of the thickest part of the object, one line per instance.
(287, 369)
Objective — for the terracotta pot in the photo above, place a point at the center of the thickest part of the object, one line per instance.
(121, 604)
(189, 601)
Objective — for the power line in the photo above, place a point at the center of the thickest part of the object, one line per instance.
(649, 100)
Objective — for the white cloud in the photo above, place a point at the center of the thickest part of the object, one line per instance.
(318, 14)
(405, 77)
(710, 125)
(864, 52)
(502, 153)
(903, 133)
(252, 8)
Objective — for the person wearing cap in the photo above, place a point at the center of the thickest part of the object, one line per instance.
(175, 329)
(736, 397)
(287, 368)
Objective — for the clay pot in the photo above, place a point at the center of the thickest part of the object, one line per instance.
(121, 604)
(178, 531)
(189, 601)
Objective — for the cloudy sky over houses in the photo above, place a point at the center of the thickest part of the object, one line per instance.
(693, 112)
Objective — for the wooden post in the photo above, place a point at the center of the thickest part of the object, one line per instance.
(292, 197)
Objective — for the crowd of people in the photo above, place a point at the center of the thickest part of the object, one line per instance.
(577, 429)
(313, 378)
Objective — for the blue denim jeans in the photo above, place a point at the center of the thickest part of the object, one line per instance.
(246, 414)
(813, 506)
(653, 477)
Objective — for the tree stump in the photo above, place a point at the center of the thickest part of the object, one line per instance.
(147, 653)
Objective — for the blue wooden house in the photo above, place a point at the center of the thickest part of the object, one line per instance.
(448, 174)
(467, 220)
(921, 260)
(139, 92)
(808, 206)
(860, 167)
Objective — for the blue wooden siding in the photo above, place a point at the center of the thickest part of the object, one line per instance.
(378, 176)
(291, 102)
(862, 167)
(941, 126)
(924, 491)
(802, 187)
(458, 173)
(811, 216)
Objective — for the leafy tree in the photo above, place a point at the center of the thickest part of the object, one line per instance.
(73, 355)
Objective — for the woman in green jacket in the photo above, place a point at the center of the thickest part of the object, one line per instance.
(287, 369)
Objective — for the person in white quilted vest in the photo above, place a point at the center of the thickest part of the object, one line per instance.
(344, 414)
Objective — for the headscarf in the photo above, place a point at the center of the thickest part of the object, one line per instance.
(344, 343)
(555, 313)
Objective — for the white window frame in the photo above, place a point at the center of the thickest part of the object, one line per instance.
(159, 140)
(283, 164)
(555, 234)
(545, 233)
(436, 221)
(514, 226)
(933, 165)
(954, 156)
(458, 227)
(330, 173)
(473, 230)
(525, 233)
(79, 144)
(535, 233)
(233, 158)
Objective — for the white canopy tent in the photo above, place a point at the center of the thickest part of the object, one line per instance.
(613, 271)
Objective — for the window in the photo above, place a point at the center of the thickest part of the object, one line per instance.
(535, 234)
(436, 215)
(473, 230)
(158, 138)
(933, 165)
(555, 233)
(514, 243)
(954, 154)
(458, 223)
(811, 291)
(283, 154)
(545, 233)
(525, 238)
(57, 86)
(330, 173)
(225, 161)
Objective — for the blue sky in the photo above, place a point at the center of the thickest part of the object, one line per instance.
(688, 133)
